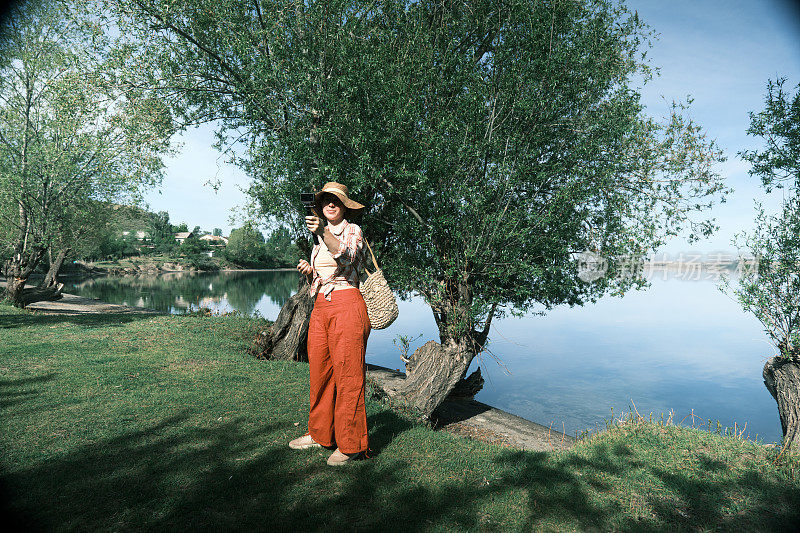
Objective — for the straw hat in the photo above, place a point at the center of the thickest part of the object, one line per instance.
(340, 191)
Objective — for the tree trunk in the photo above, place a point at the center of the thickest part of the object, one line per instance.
(436, 371)
(17, 271)
(51, 279)
(782, 379)
(42, 294)
(432, 372)
(13, 291)
(469, 386)
(287, 339)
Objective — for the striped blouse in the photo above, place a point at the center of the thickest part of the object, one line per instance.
(348, 257)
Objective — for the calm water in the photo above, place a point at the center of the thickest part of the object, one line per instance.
(678, 345)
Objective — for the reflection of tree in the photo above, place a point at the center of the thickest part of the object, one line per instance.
(175, 292)
(168, 293)
(243, 290)
(279, 286)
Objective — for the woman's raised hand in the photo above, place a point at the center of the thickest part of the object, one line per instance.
(304, 267)
(313, 225)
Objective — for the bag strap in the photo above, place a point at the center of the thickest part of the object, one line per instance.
(374, 262)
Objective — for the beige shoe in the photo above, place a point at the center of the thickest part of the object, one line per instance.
(304, 442)
(338, 458)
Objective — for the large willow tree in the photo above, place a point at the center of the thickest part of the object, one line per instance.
(72, 133)
(491, 141)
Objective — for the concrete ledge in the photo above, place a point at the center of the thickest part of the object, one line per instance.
(478, 420)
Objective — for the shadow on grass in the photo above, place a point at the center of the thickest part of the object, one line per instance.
(235, 476)
(383, 428)
(772, 506)
(579, 492)
(9, 395)
(171, 475)
(9, 321)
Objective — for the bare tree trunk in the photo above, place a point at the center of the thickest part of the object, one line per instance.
(17, 270)
(436, 371)
(287, 339)
(39, 294)
(51, 278)
(13, 291)
(469, 386)
(782, 379)
(432, 372)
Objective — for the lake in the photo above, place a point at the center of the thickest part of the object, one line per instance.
(680, 345)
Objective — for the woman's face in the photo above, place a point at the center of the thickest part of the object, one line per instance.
(332, 208)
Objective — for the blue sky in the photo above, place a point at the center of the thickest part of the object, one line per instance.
(721, 52)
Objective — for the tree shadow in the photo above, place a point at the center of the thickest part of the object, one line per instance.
(772, 503)
(576, 489)
(240, 475)
(171, 475)
(233, 477)
(457, 410)
(383, 428)
(10, 321)
(9, 396)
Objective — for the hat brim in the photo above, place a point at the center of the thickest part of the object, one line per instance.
(348, 203)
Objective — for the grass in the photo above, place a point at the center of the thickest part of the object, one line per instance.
(154, 423)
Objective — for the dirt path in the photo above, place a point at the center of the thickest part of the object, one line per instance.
(71, 304)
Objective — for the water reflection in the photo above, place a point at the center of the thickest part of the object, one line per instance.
(177, 292)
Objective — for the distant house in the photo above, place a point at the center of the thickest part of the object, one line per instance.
(182, 236)
(215, 240)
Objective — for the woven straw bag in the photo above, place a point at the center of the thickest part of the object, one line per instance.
(381, 304)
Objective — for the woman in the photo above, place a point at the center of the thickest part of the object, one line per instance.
(338, 331)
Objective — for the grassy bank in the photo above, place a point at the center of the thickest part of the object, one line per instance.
(151, 263)
(166, 263)
(124, 422)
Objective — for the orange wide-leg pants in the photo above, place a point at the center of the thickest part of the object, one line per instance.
(337, 343)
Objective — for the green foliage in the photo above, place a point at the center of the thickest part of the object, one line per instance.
(490, 141)
(771, 291)
(73, 132)
(195, 251)
(193, 245)
(779, 125)
(115, 247)
(162, 234)
(281, 252)
(181, 228)
(109, 231)
(217, 232)
(246, 247)
(403, 343)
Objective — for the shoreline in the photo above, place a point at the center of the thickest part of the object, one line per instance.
(285, 269)
(480, 421)
(80, 274)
